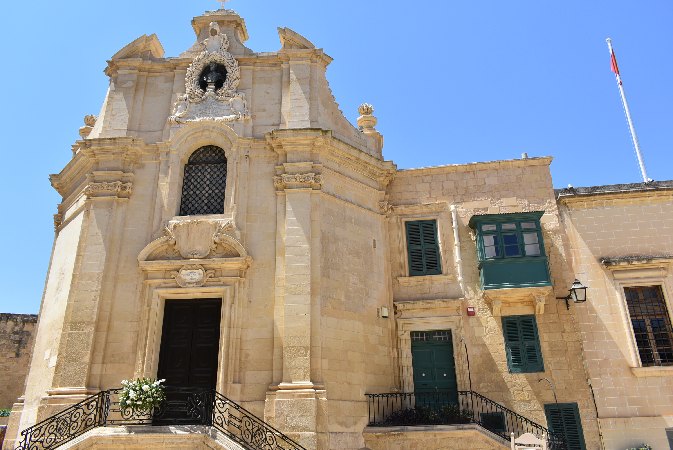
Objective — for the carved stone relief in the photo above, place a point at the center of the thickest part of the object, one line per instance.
(109, 189)
(198, 239)
(210, 85)
(297, 181)
(192, 276)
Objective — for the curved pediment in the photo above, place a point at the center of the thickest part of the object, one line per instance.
(195, 239)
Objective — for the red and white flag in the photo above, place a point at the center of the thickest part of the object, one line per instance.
(614, 66)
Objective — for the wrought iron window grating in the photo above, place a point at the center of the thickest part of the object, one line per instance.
(205, 182)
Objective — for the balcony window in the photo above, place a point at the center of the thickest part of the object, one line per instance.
(511, 251)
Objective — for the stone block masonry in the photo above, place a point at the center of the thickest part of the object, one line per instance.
(16, 344)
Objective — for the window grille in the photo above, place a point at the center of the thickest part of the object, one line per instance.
(651, 324)
(425, 336)
(204, 182)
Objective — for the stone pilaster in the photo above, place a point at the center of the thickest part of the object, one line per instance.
(296, 403)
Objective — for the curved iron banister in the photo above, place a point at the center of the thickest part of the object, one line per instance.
(438, 408)
(248, 429)
(68, 424)
(183, 406)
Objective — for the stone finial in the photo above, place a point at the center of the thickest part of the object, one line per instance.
(89, 122)
(366, 119)
(366, 109)
(366, 124)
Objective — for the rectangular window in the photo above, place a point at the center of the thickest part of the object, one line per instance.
(423, 248)
(522, 344)
(511, 239)
(563, 420)
(651, 324)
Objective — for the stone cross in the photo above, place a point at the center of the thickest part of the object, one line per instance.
(222, 3)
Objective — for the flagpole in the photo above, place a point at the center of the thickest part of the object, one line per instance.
(634, 137)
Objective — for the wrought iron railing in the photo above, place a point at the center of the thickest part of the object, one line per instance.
(246, 428)
(447, 408)
(183, 406)
(66, 425)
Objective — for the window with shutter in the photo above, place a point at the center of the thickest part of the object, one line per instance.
(563, 420)
(522, 344)
(422, 248)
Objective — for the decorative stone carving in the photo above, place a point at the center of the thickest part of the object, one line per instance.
(385, 207)
(200, 239)
(210, 85)
(58, 221)
(192, 276)
(366, 109)
(297, 181)
(90, 120)
(109, 189)
(367, 123)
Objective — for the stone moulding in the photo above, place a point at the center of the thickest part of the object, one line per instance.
(297, 181)
(191, 249)
(529, 297)
(109, 189)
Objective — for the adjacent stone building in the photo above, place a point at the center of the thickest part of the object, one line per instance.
(622, 246)
(223, 226)
(17, 333)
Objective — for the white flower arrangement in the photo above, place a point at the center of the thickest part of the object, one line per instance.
(141, 394)
(641, 447)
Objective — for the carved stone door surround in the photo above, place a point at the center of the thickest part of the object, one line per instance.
(194, 259)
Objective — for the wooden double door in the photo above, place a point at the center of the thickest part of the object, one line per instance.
(434, 368)
(188, 357)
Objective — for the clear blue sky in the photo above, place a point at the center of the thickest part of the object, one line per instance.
(451, 81)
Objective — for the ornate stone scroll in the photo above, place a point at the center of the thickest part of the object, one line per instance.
(210, 85)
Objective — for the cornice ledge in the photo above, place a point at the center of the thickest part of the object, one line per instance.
(637, 261)
(323, 141)
(485, 165)
(238, 263)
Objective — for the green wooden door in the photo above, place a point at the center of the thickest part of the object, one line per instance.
(434, 367)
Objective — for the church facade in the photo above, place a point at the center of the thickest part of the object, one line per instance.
(224, 226)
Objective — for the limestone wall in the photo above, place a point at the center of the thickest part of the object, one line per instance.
(17, 335)
(439, 302)
(635, 404)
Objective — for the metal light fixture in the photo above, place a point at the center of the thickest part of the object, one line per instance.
(577, 293)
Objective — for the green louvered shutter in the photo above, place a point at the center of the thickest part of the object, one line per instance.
(424, 256)
(522, 344)
(563, 419)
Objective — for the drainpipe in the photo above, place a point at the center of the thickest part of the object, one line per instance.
(456, 248)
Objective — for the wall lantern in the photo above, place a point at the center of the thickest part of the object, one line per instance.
(577, 293)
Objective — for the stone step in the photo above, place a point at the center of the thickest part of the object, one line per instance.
(145, 437)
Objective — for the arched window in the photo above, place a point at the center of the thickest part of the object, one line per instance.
(204, 182)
